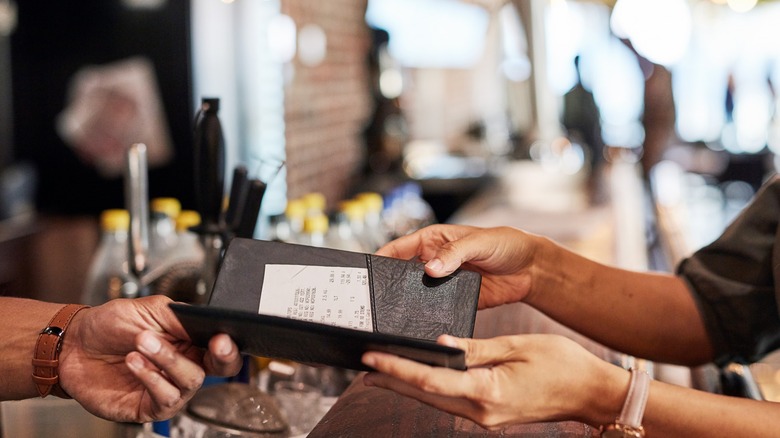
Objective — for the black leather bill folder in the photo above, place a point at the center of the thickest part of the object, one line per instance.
(327, 306)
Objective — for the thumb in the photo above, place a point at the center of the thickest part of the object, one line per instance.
(457, 251)
(446, 261)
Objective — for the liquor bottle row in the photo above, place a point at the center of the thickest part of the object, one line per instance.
(173, 249)
(363, 223)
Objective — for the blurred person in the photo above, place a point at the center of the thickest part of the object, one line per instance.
(728, 102)
(386, 131)
(125, 361)
(720, 306)
(582, 119)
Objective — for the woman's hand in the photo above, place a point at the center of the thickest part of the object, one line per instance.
(131, 360)
(510, 379)
(504, 256)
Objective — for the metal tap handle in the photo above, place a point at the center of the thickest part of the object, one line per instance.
(136, 199)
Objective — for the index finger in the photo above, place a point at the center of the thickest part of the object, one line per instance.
(426, 242)
(223, 357)
(414, 379)
(176, 377)
(405, 247)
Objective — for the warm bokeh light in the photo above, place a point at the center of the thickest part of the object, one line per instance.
(391, 83)
(312, 45)
(742, 5)
(282, 38)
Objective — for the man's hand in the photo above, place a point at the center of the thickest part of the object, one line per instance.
(131, 360)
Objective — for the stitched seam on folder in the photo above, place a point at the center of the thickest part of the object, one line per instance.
(370, 269)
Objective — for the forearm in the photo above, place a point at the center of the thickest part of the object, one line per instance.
(650, 315)
(674, 411)
(21, 323)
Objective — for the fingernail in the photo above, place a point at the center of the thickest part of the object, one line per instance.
(448, 341)
(224, 348)
(135, 362)
(150, 343)
(369, 360)
(435, 265)
(368, 380)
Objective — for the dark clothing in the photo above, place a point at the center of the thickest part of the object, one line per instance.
(735, 281)
(582, 121)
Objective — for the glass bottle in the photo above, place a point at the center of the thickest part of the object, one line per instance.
(163, 234)
(347, 230)
(375, 230)
(292, 230)
(108, 274)
(179, 277)
(315, 231)
(187, 245)
(315, 203)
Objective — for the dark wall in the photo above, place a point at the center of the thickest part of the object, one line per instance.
(52, 41)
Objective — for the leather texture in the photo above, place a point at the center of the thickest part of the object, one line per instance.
(405, 301)
(634, 406)
(47, 350)
(307, 342)
(410, 310)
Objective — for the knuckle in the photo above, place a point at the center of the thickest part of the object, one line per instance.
(485, 393)
(194, 382)
(153, 378)
(167, 356)
(170, 403)
(486, 418)
(427, 386)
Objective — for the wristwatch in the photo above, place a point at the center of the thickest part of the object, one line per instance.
(629, 423)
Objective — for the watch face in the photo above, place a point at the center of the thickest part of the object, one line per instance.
(614, 433)
(621, 431)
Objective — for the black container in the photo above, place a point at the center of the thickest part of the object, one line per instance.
(209, 168)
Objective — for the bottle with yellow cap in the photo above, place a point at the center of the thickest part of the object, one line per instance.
(315, 203)
(315, 231)
(178, 274)
(187, 245)
(162, 228)
(108, 273)
(290, 228)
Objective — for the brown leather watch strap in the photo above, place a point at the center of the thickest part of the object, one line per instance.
(46, 361)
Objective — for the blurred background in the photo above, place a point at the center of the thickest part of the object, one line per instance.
(450, 102)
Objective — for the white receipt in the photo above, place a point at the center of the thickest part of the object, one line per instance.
(337, 296)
